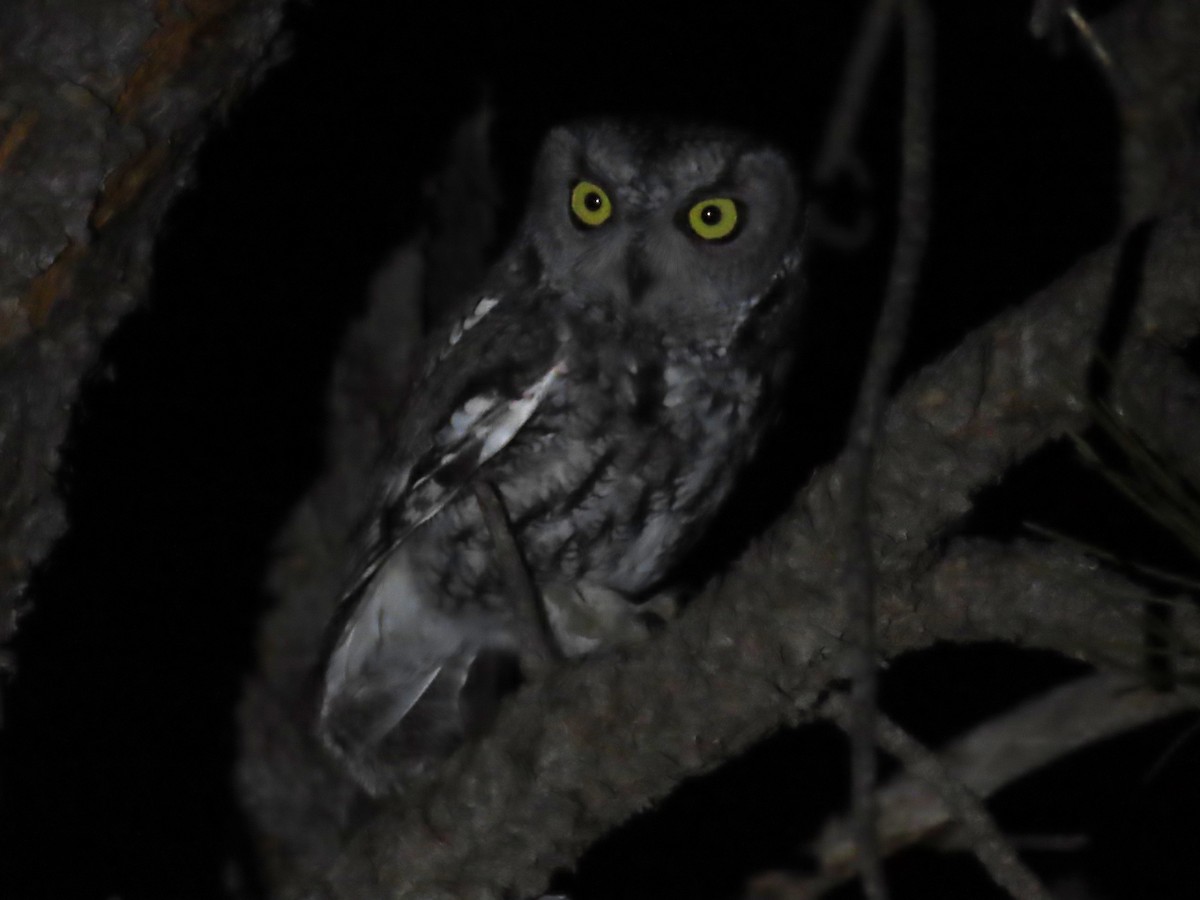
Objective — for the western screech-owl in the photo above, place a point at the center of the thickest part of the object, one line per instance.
(609, 380)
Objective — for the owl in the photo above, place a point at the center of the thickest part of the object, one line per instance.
(606, 384)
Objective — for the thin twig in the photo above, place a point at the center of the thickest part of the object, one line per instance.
(886, 347)
(995, 754)
(1089, 36)
(540, 648)
(1172, 578)
(836, 154)
(1045, 22)
(1153, 483)
(837, 157)
(938, 789)
(989, 844)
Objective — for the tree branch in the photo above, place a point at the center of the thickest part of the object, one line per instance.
(887, 343)
(1002, 750)
(578, 753)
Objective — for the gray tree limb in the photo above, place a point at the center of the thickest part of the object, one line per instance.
(1002, 750)
(578, 753)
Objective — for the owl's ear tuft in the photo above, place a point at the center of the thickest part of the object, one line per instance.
(560, 142)
(771, 167)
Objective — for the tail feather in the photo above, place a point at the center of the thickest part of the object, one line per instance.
(407, 682)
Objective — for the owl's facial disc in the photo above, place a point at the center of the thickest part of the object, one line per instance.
(678, 229)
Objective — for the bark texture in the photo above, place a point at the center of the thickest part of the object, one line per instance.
(578, 754)
(102, 108)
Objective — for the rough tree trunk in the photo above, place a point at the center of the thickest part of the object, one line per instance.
(102, 108)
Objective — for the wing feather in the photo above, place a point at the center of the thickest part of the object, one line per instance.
(404, 675)
(480, 428)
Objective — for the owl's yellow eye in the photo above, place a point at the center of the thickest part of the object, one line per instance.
(590, 204)
(714, 219)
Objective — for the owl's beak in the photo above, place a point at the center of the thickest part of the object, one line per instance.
(638, 275)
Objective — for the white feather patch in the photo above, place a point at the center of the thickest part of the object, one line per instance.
(505, 426)
(478, 430)
(466, 323)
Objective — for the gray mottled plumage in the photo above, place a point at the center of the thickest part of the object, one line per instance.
(609, 381)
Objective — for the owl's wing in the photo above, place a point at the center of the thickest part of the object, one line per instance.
(486, 377)
(482, 426)
(398, 684)
(406, 677)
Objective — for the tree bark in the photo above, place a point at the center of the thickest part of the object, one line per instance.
(102, 108)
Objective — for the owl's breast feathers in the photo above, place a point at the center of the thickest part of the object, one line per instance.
(610, 451)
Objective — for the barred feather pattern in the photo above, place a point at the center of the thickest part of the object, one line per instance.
(612, 432)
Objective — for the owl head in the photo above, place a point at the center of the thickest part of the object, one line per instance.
(691, 230)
